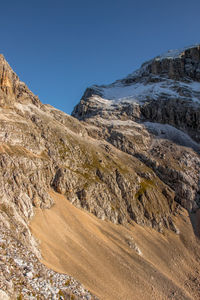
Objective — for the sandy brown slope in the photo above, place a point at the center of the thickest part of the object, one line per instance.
(99, 254)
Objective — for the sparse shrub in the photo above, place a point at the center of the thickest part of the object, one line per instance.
(3, 246)
(67, 282)
(60, 293)
(143, 186)
(112, 208)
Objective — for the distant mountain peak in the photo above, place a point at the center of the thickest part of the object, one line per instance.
(178, 53)
(174, 76)
(175, 64)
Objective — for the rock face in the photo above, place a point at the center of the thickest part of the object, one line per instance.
(28, 169)
(133, 158)
(154, 115)
(177, 64)
(11, 88)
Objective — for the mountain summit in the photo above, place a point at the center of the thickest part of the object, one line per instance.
(165, 89)
(113, 189)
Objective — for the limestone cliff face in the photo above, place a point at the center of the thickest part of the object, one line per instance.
(178, 65)
(11, 88)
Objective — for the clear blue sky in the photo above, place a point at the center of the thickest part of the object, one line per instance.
(60, 47)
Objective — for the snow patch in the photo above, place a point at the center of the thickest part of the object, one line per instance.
(139, 92)
(169, 132)
(176, 53)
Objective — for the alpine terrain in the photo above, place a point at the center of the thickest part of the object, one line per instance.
(103, 204)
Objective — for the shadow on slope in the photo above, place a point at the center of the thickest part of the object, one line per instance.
(195, 220)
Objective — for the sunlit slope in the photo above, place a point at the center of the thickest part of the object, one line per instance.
(115, 262)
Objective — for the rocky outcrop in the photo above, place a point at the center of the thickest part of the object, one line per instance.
(177, 113)
(11, 88)
(178, 65)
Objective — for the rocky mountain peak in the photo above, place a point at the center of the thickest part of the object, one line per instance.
(183, 64)
(11, 88)
(165, 89)
(7, 77)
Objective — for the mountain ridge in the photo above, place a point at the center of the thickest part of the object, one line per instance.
(121, 163)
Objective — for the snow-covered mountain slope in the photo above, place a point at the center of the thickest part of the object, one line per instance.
(165, 89)
(156, 79)
(175, 74)
(140, 92)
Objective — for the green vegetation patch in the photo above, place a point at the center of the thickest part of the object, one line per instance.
(7, 209)
(143, 187)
